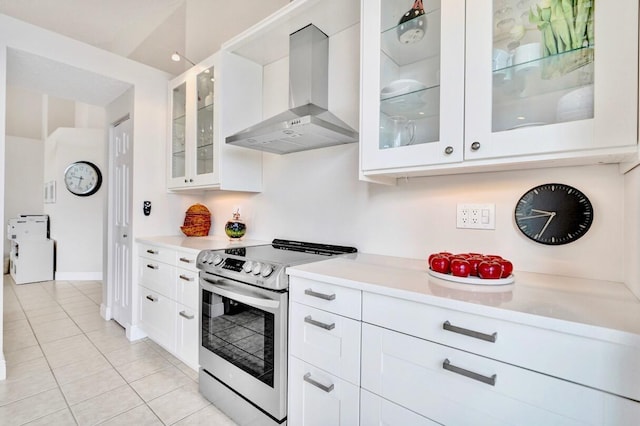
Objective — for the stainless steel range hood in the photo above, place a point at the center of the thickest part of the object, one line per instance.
(307, 124)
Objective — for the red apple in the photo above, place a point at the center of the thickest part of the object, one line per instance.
(474, 262)
(462, 255)
(460, 267)
(489, 270)
(440, 264)
(507, 267)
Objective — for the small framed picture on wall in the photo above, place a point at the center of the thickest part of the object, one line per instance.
(50, 192)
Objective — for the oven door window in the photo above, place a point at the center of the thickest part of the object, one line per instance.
(240, 334)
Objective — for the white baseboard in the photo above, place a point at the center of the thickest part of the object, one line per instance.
(105, 312)
(78, 276)
(3, 367)
(135, 333)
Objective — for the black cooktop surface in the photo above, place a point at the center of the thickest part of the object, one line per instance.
(288, 252)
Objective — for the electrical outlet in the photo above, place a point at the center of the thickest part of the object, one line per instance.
(476, 216)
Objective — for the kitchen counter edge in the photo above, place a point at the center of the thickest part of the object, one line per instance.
(197, 244)
(597, 309)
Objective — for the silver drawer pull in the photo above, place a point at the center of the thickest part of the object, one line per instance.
(185, 315)
(186, 260)
(307, 378)
(475, 334)
(152, 251)
(310, 292)
(446, 364)
(152, 266)
(311, 321)
(186, 278)
(153, 299)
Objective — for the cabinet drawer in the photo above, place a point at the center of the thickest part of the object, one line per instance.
(186, 260)
(603, 365)
(187, 335)
(455, 387)
(187, 287)
(328, 297)
(317, 398)
(326, 340)
(621, 411)
(378, 411)
(157, 315)
(159, 277)
(159, 254)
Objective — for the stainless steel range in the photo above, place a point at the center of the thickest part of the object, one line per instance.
(243, 323)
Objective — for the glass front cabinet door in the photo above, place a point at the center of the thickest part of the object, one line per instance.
(177, 157)
(412, 79)
(555, 77)
(193, 128)
(484, 84)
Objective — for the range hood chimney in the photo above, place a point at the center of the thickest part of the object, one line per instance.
(307, 124)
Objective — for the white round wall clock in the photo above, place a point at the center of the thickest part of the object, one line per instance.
(82, 178)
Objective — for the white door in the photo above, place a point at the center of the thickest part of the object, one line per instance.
(120, 222)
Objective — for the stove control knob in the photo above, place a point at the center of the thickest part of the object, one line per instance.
(256, 268)
(248, 267)
(266, 271)
(217, 259)
(204, 258)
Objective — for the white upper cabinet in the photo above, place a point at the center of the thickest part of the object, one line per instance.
(412, 87)
(208, 102)
(499, 84)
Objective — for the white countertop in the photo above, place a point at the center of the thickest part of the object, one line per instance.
(197, 244)
(604, 310)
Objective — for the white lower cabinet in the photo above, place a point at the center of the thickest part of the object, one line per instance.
(326, 340)
(375, 410)
(317, 398)
(187, 334)
(169, 300)
(380, 360)
(157, 313)
(620, 411)
(453, 387)
(324, 354)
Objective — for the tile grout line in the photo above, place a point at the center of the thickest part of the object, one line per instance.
(127, 383)
(45, 356)
(103, 354)
(159, 351)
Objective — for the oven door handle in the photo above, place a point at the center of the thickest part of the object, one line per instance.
(239, 294)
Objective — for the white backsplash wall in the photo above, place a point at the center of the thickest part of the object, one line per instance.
(632, 230)
(316, 196)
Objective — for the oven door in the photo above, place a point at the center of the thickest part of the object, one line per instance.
(243, 340)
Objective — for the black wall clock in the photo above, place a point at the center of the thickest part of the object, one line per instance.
(82, 178)
(554, 214)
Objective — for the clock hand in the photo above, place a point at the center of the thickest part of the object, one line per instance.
(543, 211)
(544, 228)
(534, 216)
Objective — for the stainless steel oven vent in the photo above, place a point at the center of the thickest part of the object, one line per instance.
(307, 124)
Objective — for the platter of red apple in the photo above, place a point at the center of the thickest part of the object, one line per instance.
(471, 268)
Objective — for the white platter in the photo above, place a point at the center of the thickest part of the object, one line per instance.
(401, 87)
(523, 125)
(473, 280)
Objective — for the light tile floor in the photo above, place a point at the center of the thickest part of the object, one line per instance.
(68, 366)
